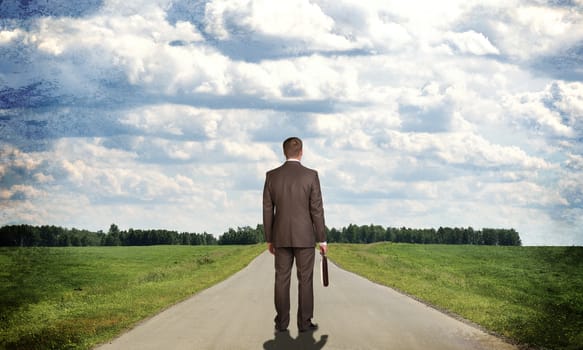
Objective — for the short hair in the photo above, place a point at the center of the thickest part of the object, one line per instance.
(292, 147)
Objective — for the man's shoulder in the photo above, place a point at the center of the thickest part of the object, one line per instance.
(310, 170)
(308, 173)
(274, 170)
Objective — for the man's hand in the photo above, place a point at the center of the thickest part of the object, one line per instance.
(323, 248)
(271, 248)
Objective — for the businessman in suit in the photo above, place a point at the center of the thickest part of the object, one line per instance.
(293, 220)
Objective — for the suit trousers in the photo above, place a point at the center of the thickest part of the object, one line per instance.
(284, 258)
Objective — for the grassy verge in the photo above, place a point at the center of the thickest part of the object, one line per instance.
(531, 295)
(74, 298)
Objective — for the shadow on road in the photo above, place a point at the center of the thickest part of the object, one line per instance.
(306, 340)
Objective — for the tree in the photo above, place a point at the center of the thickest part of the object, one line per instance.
(113, 236)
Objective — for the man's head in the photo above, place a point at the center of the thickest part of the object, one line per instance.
(292, 148)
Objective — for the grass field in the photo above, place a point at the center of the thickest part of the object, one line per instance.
(74, 298)
(531, 295)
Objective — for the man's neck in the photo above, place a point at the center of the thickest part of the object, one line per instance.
(292, 160)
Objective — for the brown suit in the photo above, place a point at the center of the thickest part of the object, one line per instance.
(293, 220)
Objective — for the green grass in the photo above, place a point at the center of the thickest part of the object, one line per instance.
(530, 295)
(74, 298)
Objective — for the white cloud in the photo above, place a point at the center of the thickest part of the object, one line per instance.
(94, 169)
(443, 116)
(174, 120)
(357, 129)
(294, 20)
(556, 110)
(15, 158)
(463, 149)
(7, 36)
(89, 50)
(574, 162)
(525, 31)
(19, 192)
(571, 187)
(569, 100)
(471, 42)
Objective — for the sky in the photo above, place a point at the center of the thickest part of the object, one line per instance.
(167, 114)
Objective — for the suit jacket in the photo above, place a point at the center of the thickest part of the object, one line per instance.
(293, 214)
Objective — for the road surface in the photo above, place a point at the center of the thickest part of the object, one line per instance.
(353, 313)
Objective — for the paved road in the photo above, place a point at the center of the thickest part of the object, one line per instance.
(353, 313)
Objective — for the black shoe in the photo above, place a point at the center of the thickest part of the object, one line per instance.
(311, 327)
(277, 329)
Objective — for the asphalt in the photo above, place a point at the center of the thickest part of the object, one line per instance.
(352, 312)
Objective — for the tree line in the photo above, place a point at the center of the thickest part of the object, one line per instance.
(53, 236)
(443, 235)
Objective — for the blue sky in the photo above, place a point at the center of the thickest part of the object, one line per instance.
(167, 114)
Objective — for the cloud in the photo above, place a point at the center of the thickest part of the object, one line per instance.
(8, 36)
(540, 35)
(18, 192)
(169, 113)
(471, 42)
(574, 162)
(19, 168)
(297, 20)
(556, 110)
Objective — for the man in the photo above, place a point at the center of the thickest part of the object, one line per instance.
(293, 220)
